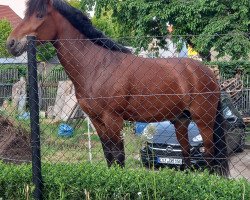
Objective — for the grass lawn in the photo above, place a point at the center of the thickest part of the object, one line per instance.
(78, 147)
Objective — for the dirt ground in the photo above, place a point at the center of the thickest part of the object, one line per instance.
(14, 142)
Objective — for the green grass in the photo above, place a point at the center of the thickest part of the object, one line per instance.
(75, 149)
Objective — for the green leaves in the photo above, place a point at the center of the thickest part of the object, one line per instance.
(83, 5)
(5, 29)
(202, 23)
(45, 52)
(72, 181)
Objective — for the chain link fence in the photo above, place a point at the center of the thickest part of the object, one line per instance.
(69, 135)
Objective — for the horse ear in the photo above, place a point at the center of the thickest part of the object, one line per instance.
(49, 3)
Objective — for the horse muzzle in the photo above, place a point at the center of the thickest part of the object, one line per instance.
(16, 47)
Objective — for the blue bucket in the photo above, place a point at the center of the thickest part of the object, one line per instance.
(65, 130)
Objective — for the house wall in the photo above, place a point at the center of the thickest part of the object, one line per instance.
(18, 6)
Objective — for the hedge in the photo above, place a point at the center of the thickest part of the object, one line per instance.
(76, 181)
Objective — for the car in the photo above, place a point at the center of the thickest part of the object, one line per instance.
(163, 149)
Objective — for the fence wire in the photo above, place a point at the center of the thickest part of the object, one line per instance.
(100, 84)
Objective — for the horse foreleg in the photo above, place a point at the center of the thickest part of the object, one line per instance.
(115, 147)
(181, 126)
(109, 129)
(102, 133)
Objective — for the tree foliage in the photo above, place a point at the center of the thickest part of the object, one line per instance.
(5, 29)
(104, 21)
(205, 24)
(108, 26)
(45, 52)
(83, 5)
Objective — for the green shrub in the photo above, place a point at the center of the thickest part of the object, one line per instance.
(229, 67)
(14, 180)
(22, 70)
(73, 181)
(5, 29)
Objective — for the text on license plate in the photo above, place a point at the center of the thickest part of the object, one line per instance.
(175, 161)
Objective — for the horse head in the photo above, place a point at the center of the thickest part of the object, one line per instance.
(38, 21)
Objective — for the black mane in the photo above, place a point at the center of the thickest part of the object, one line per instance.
(79, 20)
(38, 6)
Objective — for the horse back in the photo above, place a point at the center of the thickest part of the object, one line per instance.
(171, 76)
(165, 87)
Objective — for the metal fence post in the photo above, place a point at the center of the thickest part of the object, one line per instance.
(34, 117)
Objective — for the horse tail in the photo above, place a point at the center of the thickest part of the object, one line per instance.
(221, 165)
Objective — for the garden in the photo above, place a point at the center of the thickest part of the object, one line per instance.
(70, 173)
(73, 165)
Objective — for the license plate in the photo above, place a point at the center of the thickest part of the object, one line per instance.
(174, 161)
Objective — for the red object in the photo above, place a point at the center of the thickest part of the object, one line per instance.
(7, 13)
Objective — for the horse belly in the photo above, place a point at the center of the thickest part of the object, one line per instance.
(153, 108)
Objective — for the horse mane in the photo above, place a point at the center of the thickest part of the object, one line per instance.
(79, 20)
(35, 5)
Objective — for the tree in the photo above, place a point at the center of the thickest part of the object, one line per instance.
(5, 29)
(83, 5)
(108, 26)
(103, 21)
(205, 24)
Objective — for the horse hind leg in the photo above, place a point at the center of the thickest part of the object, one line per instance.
(181, 126)
(206, 131)
(210, 126)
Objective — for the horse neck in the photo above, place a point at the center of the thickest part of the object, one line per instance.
(78, 55)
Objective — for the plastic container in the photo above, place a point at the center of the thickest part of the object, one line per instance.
(65, 130)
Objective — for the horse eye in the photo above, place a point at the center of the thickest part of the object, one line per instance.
(39, 16)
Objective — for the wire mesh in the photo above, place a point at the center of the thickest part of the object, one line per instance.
(83, 88)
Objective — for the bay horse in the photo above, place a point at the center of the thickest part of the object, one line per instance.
(113, 85)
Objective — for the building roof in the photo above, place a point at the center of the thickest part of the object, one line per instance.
(7, 13)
